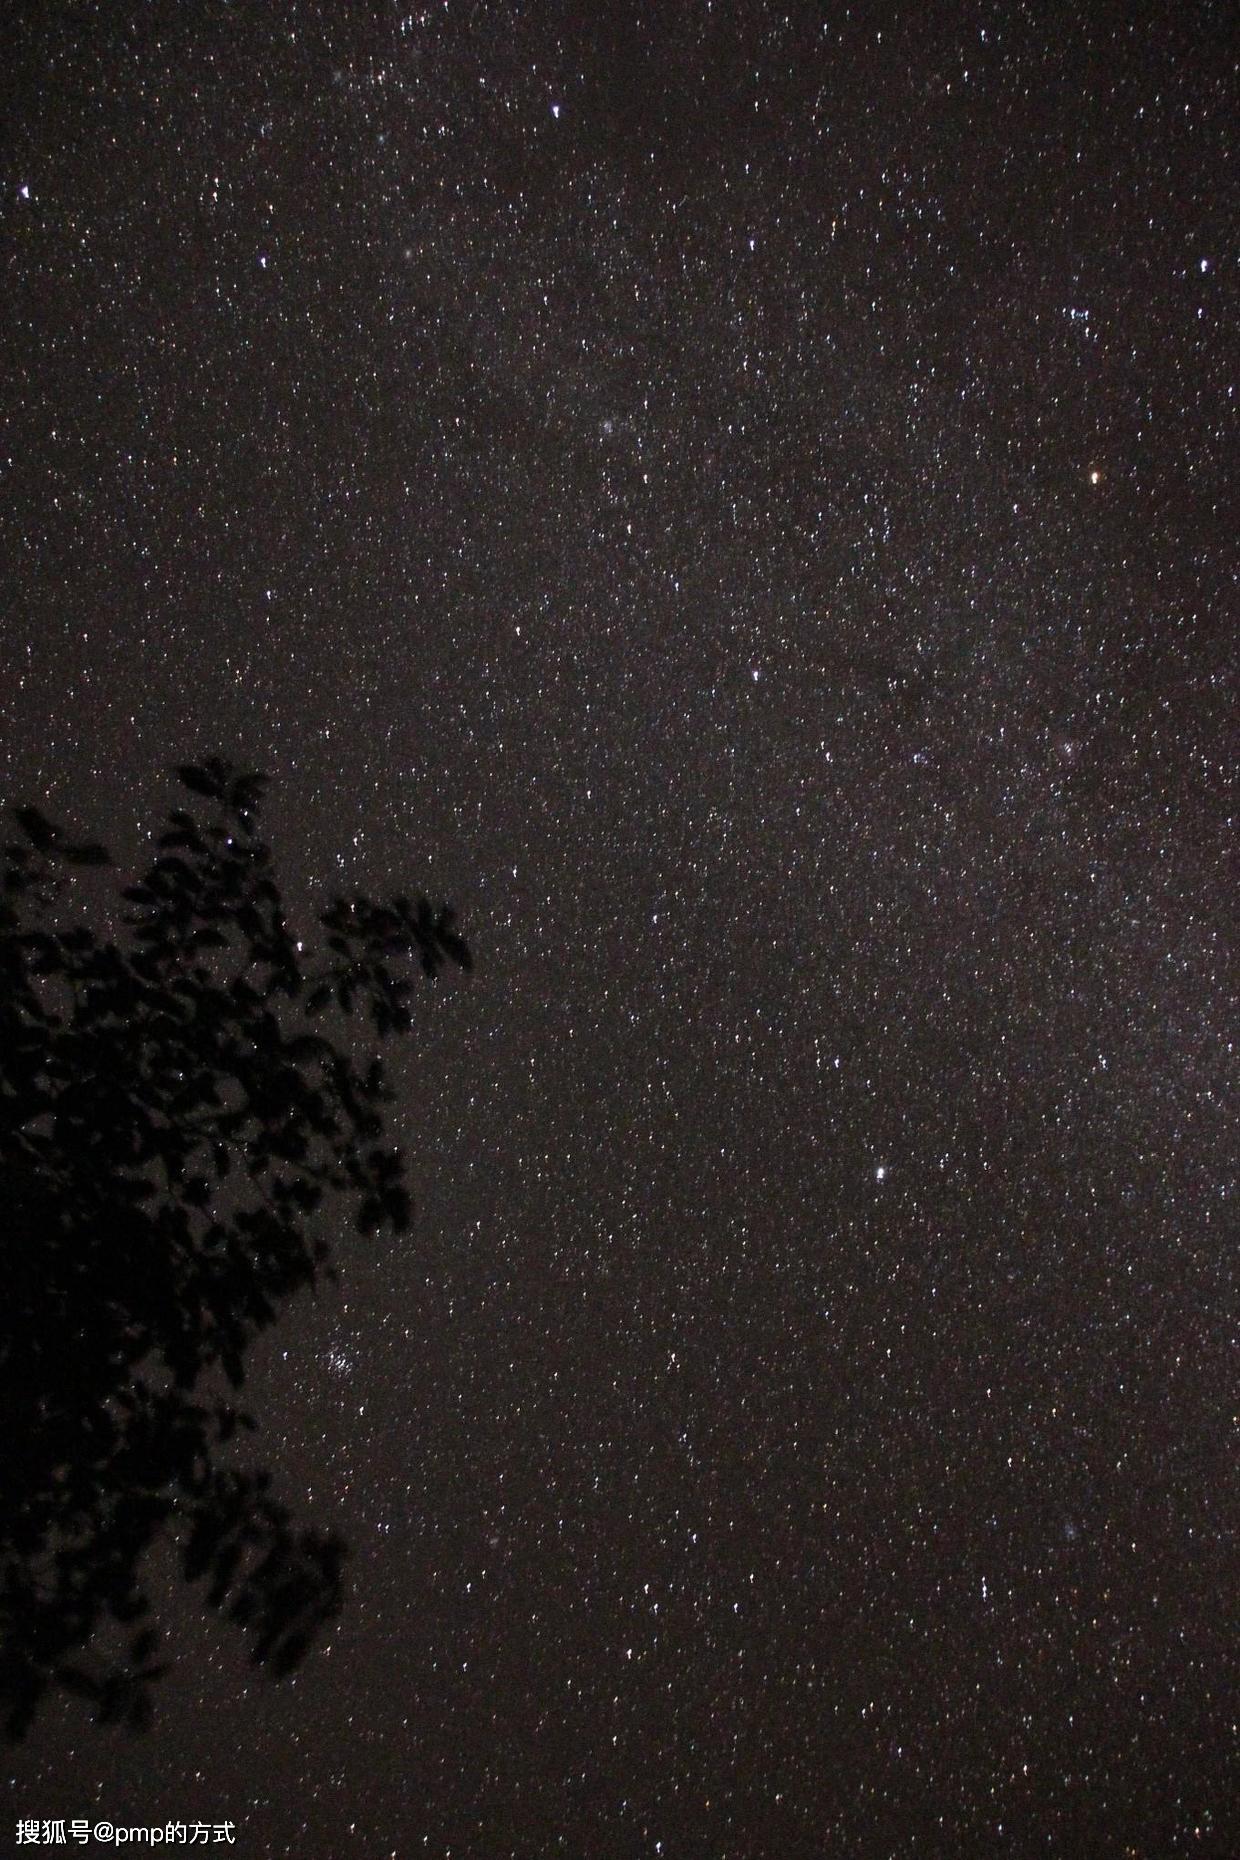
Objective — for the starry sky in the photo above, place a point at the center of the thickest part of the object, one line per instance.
(737, 499)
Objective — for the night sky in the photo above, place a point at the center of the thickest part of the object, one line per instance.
(737, 500)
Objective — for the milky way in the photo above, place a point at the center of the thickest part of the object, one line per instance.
(738, 500)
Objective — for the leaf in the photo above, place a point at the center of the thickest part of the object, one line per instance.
(399, 1209)
(289, 1654)
(199, 780)
(37, 828)
(75, 1679)
(143, 1645)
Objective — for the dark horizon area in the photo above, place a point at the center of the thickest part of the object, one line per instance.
(741, 502)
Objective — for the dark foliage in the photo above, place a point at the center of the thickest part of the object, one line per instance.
(164, 1143)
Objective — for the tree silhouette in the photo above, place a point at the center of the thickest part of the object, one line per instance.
(164, 1143)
